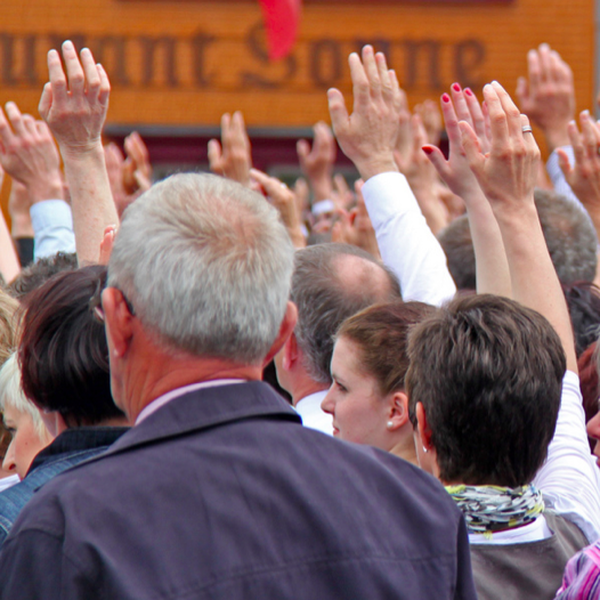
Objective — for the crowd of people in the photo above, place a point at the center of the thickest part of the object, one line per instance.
(221, 386)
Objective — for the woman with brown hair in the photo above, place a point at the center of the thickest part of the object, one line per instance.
(367, 398)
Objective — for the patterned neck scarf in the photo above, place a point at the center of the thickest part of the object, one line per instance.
(489, 508)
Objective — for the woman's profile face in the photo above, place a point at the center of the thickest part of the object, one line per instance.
(25, 442)
(358, 409)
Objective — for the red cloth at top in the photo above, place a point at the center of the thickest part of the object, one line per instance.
(282, 19)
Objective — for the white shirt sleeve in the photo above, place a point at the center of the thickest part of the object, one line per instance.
(407, 244)
(52, 224)
(569, 477)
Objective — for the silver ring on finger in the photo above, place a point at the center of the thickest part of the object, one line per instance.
(526, 129)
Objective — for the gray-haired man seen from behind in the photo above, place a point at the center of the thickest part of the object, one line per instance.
(218, 491)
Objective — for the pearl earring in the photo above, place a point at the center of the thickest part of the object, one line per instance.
(390, 424)
(426, 450)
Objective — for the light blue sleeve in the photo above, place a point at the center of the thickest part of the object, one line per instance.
(52, 228)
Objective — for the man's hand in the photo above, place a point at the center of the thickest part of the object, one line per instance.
(75, 105)
(29, 155)
(368, 136)
(547, 96)
(317, 163)
(232, 157)
(584, 176)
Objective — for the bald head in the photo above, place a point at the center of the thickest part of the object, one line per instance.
(331, 282)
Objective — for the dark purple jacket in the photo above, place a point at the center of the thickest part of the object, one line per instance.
(223, 494)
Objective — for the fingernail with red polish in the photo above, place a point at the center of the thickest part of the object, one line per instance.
(468, 92)
(456, 87)
(427, 149)
(446, 98)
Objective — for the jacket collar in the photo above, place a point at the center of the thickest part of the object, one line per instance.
(75, 439)
(206, 408)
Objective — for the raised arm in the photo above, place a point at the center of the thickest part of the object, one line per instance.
(368, 137)
(74, 105)
(547, 94)
(232, 157)
(317, 161)
(507, 175)
(493, 276)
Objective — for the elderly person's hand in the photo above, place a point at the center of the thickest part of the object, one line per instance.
(75, 105)
(547, 96)
(29, 155)
(232, 157)
(368, 136)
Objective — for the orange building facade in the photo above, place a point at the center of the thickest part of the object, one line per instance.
(176, 66)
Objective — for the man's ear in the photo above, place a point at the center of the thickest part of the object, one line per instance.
(397, 411)
(118, 321)
(286, 330)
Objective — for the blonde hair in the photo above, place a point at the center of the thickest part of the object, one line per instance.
(11, 394)
(8, 325)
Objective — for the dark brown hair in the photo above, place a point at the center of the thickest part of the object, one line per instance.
(63, 353)
(488, 372)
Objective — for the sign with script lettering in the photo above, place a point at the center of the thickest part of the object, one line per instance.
(184, 63)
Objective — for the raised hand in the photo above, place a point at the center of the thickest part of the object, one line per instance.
(584, 176)
(137, 170)
(432, 120)
(507, 173)
(317, 162)
(232, 157)
(284, 200)
(492, 269)
(29, 155)
(355, 227)
(547, 95)
(455, 171)
(368, 136)
(75, 104)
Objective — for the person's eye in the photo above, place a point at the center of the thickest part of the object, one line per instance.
(11, 430)
(340, 387)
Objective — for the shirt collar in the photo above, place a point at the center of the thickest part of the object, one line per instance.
(186, 389)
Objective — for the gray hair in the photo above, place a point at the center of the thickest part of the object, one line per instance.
(11, 394)
(325, 299)
(568, 231)
(206, 264)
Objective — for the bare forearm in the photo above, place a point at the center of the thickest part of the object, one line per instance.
(91, 200)
(533, 277)
(492, 272)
